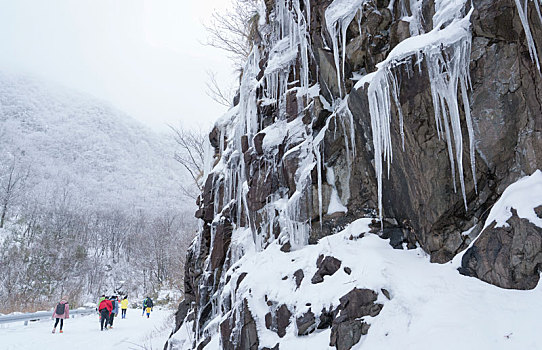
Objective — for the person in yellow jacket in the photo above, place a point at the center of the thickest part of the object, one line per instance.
(124, 306)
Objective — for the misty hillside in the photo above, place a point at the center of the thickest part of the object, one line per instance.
(90, 200)
(74, 142)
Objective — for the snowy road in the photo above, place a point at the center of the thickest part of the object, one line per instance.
(82, 333)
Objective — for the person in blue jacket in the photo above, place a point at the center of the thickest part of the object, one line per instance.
(115, 311)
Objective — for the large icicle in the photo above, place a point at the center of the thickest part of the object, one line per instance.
(338, 16)
(447, 54)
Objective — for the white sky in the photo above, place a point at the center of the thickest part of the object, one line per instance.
(144, 56)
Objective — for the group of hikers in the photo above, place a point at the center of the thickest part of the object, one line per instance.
(108, 309)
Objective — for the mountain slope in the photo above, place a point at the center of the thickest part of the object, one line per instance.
(75, 143)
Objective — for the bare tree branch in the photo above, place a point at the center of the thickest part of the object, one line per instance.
(191, 155)
(234, 31)
(217, 93)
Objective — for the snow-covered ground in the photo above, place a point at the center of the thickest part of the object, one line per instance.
(431, 306)
(82, 333)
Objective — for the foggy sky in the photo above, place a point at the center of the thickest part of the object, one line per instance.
(144, 56)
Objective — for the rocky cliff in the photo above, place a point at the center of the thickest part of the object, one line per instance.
(416, 115)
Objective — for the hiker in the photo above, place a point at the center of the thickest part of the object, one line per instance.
(124, 306)
(62, 312)
(148, 306)
(104, 308)
(114, 311)
(144, 306)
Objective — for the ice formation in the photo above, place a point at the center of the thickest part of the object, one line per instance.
(524, 17)
(287, 38)
(446, 52)
(338, 15)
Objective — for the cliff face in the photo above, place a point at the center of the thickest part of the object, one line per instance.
(418, 114)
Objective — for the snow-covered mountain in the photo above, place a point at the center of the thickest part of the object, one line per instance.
(82, 147)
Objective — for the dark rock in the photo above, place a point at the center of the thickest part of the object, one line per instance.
(283, 319)
(299, 275)
(365, 328)
(249, 332)
(268, 320)
(508, 257)
(214, 138)
(226, 329)
(347, 270)
(239, 280)
(326, 267)
(306, 323)
(244, 143)
(386, 293)
(258, 142)
(221, 244)
(242, 335)
(346, 334)
(347, 327)
(286, 247)
(358, 303)
(276, 347)
(202, 344)
(291, 105)
(395, 235)
(325, 320)
(180, 314)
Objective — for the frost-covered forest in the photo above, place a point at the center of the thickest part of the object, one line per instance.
(90, 201)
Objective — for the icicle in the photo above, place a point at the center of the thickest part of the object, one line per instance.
(447, 74)
(319, 170)
(338, 15)
(523, 15)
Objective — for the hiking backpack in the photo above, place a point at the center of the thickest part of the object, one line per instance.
(60, 309)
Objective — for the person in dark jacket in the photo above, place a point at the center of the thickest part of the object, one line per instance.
(114, 311)
(144, 305)
(104, 308)
(148, 306)
(62, 312)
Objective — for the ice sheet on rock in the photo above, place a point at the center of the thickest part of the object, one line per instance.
(335, 205)
(280, 56)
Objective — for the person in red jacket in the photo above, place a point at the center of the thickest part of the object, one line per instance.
(104, 308)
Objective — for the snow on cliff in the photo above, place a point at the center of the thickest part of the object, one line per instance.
(429, 305)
